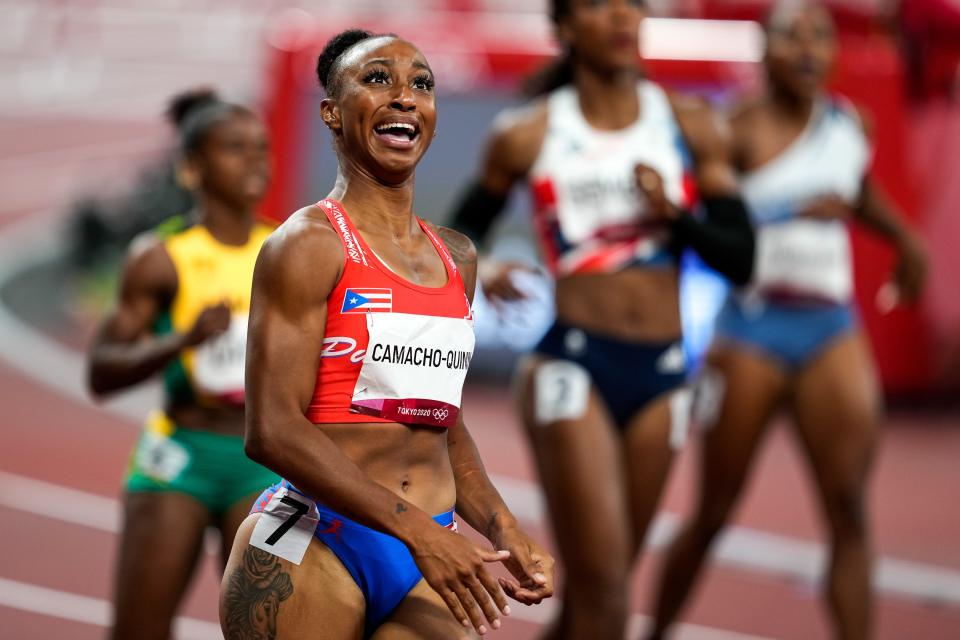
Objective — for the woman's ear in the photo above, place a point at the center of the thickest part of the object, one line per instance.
(330, 114)
(187, 174)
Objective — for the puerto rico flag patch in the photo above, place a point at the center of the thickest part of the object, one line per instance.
(367, 301)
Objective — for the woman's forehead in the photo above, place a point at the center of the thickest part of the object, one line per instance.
(381, 47)
(788, 14)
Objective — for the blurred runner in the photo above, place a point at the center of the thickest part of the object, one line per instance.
(791, 337)
(182, 312)
(612, 161)
(360, 339)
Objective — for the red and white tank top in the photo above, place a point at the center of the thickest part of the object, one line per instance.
(393, 351)
(588, 212)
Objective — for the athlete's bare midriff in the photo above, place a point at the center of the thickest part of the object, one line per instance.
(227, 420)
(412, 462)
(634, 305)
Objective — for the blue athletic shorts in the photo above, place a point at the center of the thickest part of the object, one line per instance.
(791, 333)
(628, 375)
(380, 564)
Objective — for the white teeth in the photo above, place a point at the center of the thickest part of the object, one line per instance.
(395, 125)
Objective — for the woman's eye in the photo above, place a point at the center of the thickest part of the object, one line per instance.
(424, 83)
(377, 76)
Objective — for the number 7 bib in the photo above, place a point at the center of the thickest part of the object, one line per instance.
(286, 525)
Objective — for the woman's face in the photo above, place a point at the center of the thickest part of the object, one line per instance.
(384, 113)
(604, 34)
(801, 47)
(233, 160)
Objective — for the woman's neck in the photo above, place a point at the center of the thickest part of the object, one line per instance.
(607, 100)
(789, 105)
(374, 206)
(227, 223)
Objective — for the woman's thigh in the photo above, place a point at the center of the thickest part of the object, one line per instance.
(422, 615)
(837, 406)
(162, 539)
(264, 594)
(579, 454)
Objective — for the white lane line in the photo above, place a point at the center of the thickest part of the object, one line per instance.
(764, 552)
(55, 366)
(94, 611)
(23, 244)
(71, 505)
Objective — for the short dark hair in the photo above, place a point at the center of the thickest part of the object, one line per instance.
(195, 112)
(334, 49)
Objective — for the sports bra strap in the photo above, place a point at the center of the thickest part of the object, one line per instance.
(440, 246)
(353, 247)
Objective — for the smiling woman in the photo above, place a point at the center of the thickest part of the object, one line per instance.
(373, 449)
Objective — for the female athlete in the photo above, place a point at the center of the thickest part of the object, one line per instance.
(182, 312)
(605, 153)
(360, 337)
(791, 336)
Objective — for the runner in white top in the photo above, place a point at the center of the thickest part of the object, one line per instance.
(605, 155)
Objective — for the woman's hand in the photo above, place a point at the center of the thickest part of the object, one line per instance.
(455, 568)
(530, 565)
(829, 207)
(650, 184)
(211, 322)
(910, 272)
(494, 276)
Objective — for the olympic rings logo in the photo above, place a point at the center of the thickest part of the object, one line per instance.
(440, 414)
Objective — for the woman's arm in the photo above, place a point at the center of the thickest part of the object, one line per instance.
(481, 506)
(478, 501)
(511, 150)
(124, 352)
(724, 238)
(877, 212)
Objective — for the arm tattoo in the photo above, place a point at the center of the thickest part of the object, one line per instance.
(400, 507)
(491, 521)
(253, 595)
(460, 246)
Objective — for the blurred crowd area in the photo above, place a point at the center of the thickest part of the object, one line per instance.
(115, 63)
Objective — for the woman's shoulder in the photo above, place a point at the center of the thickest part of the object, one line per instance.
(305, 240)
(517, 134)
(461, 247)
(705, 129)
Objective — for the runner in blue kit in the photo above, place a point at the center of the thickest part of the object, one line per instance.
(360, 337)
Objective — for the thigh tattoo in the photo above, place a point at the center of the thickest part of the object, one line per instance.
(253, 595)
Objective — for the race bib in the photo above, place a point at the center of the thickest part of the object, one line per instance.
(218, 366)
(160, 457)
(805, 259)
(414, 368)
(286, 525)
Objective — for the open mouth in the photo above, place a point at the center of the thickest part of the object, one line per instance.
(398, 134)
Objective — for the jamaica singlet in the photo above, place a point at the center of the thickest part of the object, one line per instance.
(208, 273)
(394, 351)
